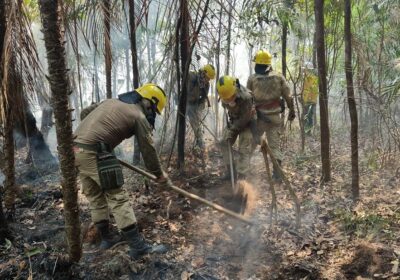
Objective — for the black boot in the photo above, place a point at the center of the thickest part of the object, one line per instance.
(138, 246)
(107, 238)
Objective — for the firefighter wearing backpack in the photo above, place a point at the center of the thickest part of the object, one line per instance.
(197, 90)
(267, 87)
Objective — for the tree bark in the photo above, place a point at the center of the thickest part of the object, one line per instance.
(135, 68)
(218, 52)
(50, 11)
(107, 45)
(355, 177)
(185, 61)
(7, 118)
(228, 40)
(284, 46)
(323, 92)
(128, 70)
(4, 231)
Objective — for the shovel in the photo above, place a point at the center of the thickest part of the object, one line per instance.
(188, 194)
(238, 192)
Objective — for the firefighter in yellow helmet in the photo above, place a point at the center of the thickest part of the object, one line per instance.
(237, 100)
(268, 87)
(197, 89)
(310, 97)
(103, 127)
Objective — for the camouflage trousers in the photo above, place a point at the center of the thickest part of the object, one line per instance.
(195, 114)
(100, 201)
(245, 149)
(272, 128)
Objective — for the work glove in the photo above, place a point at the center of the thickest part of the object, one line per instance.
(292, 115)
(163, 180)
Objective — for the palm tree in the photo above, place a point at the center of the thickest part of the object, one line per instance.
(54, 41)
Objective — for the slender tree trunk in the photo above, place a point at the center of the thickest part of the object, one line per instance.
(114, 77)
(54, 40)
(96, 77)
(185, 60)
(128, 71)
(284, 46)
(47, 121)
(218, 52)
(323, 93)
(107, 45)
(355, 188)
(228, 40)
(135, 68)
(7, 118)
(9, 150)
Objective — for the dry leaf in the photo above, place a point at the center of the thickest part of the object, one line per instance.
(197, 262)
(186, 275)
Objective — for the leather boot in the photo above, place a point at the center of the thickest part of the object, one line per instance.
(107, 238)
(138, 246)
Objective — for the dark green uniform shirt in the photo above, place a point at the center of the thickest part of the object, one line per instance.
(113, 121)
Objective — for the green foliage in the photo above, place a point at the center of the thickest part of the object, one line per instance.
(362, 224)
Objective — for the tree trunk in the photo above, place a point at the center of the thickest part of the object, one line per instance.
(284, 46)
(135, 68)
(218, 52)
(50, 11)
(323, 93)
(47, 121)
(9, 170)
(96, 77)
(355, 188)
(25, 124)
(228, 40)
(185, 61)
(107, 45)
(7, 118)
(128, 71)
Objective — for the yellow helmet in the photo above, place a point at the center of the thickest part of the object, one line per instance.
(209, 70)
(263, 57)
(226, 87)
(155, 94)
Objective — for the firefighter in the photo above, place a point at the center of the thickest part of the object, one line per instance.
(238, 102)
(268, 87)
(197, 89)
(310, 97)
(104, 126)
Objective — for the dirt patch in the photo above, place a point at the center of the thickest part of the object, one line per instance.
(368, 260)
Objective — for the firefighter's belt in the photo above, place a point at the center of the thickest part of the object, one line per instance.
(270, 105)
(99, 147)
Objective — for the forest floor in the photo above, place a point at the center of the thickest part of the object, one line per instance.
(337, 239)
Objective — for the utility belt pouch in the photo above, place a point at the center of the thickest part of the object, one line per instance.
(110, 171)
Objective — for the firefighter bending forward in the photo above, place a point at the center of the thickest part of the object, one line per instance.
(238, 101)
(101, 130)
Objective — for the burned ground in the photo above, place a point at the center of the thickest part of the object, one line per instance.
(337, 240)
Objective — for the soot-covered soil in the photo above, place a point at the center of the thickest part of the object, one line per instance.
(336, 240)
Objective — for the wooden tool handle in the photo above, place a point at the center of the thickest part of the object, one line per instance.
(188, 194)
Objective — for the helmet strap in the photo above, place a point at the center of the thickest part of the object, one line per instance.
(149, 110)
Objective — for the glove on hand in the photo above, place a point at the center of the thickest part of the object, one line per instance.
(163, 181)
